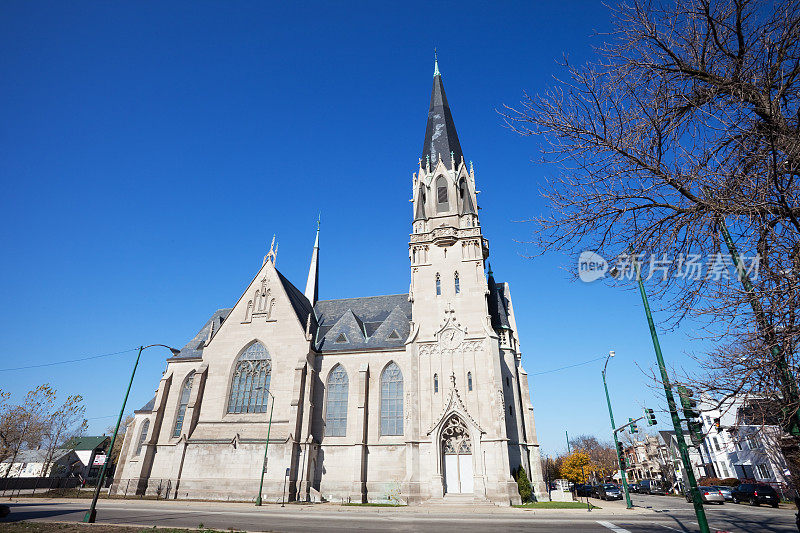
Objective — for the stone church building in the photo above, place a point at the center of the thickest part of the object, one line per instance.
(400, 397)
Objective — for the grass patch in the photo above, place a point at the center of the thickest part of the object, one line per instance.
(555, 505)
(375, 504)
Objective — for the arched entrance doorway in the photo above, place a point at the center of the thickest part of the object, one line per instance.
(457, 454)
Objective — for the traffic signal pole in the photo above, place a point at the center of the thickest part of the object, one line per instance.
(702, 521)
(620, 458)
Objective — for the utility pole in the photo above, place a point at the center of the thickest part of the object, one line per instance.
(620, 457)
(702, 521)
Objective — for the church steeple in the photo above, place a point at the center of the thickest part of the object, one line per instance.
(441, 138)
(312, 288)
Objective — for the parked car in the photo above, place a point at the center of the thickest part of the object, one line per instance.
(708, 495)
(609, 491)
(727, 492)
(583, 490)
(755, 494)
(633, 487)
(652, 486)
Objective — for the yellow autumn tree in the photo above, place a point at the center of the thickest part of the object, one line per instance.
(577, 466)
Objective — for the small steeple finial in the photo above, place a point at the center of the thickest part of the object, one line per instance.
(436, 63)
(489, 265)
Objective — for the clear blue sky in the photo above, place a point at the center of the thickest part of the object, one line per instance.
(150, 150)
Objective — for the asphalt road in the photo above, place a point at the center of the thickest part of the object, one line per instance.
(726, 517)
(667, 514)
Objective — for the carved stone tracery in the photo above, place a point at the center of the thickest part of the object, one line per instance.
(455, 437)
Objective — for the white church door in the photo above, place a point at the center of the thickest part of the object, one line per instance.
(457, 451)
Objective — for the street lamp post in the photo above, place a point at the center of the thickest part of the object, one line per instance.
(266, 448)
(620, 459)
(702, 521)
(91, 514)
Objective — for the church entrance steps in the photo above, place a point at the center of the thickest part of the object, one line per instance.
(450, 500)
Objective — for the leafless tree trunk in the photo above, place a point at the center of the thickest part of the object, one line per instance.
(688, 122)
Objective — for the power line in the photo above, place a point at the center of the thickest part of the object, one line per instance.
(68, 361)
(566, 367)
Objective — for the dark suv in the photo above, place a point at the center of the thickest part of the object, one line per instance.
(755, 494)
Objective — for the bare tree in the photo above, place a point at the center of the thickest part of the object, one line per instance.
(25, 425)
(602, 454)
(686, 126)
(64, 423)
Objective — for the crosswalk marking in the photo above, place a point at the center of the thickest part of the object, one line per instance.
(612, 527)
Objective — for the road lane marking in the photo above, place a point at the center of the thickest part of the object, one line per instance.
(612, 527)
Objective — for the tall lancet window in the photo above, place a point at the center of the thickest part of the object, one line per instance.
(336, 408)
(186, 391)
(438, 285)
(392, 400)
(143, 436)
(435, 383)
(250, 383)
(457, 283)
(442, 204)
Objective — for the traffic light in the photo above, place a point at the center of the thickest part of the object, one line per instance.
(650, 416)
(620, 450)
(688, 403)
(692, 415)
(634, 428)
(716, 423)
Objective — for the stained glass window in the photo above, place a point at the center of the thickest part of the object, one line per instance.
(438, 285)
(469, 380)
(336, 411)
(392, 400)
(186, 391)
(143, 435)
(435, 383)
(457, 283)
(250, 384)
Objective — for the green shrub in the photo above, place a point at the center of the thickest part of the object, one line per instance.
(524, 485)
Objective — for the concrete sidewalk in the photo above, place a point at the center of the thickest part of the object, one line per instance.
(608, 509)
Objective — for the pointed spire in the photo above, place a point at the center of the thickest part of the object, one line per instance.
(312, 285)
(441, 138)
(436, 64)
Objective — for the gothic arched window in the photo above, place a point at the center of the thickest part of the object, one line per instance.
(250, 383)
(336, 409)
(392, 400)
(438, 285)
(462, 193)
(457, 283)
(442, 203)
(469, 380)
(186, 391)
(143, 435)
(435, 383)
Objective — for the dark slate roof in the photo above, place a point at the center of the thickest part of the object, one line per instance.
(440, 134)
(194, 348)
(302, 307)
(85, 443)
(148, 407)
(369, 323)
(498, 308)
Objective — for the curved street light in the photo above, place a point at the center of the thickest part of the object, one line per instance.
(91, 514)
(620, 458)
